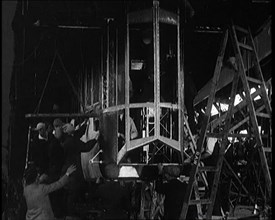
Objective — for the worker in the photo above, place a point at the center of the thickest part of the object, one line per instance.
(174, 190)
(190, 93)
(39, 148)
(121, 134)
(36, 193)
(114, 197)
(56, 160)
(73, 146)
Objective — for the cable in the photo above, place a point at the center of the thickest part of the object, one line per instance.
(30, 55)
(48, 77)
(70, 81)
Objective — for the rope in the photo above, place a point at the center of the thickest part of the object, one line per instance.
(48, 77)
(70, 81)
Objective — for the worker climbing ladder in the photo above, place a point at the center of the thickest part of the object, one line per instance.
(243, 76)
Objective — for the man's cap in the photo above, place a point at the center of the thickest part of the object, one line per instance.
(57, 123)
(68, 128)
(39, 126)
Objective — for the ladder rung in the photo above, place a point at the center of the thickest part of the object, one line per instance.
(201, 201)
(254, 80)
(214, 135)
(202, 188)
(245, 46)
(238, 135)
(241, 29)
(265, 136)
(263, 115)
(238, 194)
(267, 149)
(208, 168)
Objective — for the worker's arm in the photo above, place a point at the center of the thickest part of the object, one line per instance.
(210, 144)
(205, 155)
(60, 183)
(81, 130)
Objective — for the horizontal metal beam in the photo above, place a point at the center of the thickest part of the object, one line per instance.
(150, 164)
(69, 27)
(62, 115)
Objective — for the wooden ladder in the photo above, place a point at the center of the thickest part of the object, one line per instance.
(243, 50)
(196, 167)
(190, 147)
(251, 76)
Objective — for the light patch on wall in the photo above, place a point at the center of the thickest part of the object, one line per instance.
(252, 90)
(224, 107)
(128, 172)
(214, 111)
(237, 100)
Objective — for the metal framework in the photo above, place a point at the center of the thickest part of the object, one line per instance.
(154, 15)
